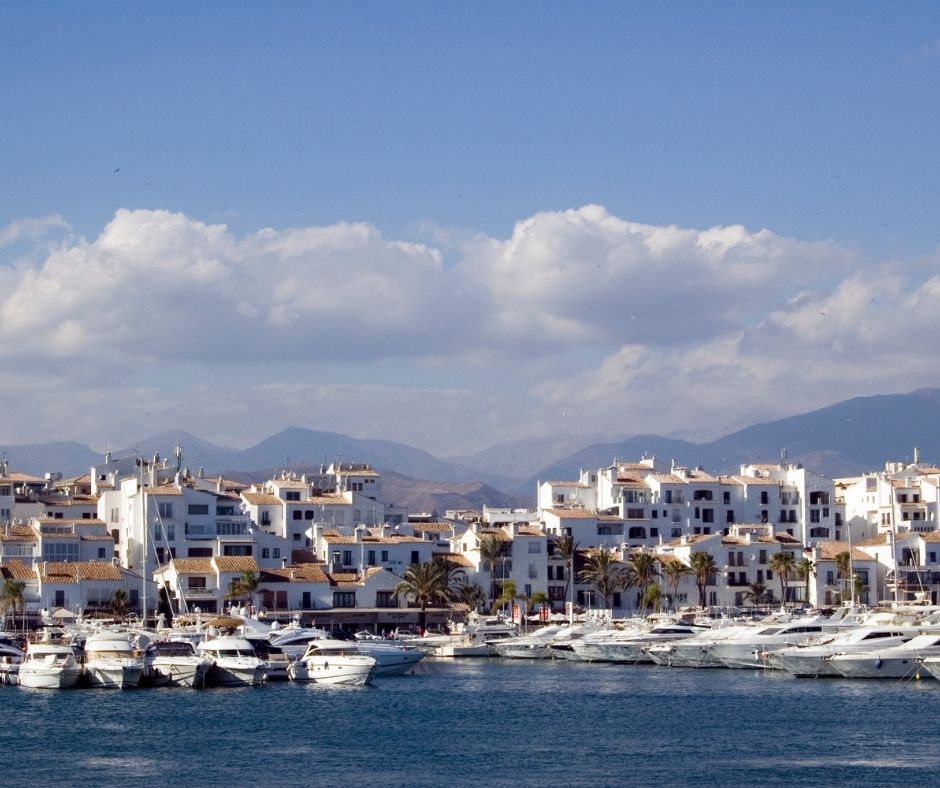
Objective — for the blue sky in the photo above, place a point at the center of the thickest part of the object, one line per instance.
(466, 144)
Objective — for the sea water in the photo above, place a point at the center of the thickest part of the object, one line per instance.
(484, 722)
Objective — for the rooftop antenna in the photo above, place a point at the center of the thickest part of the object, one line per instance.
(178, 452)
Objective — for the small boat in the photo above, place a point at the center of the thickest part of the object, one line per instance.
(234, 662)
(393, 657)
(333, 662)
(476, 639)
(111, 661)
(174, 663)
(49, 665)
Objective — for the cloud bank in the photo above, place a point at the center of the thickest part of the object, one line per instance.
(580, 321)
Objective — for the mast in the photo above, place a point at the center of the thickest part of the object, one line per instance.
(143, 571)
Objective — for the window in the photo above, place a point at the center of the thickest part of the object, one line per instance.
(305, 600)
(196, 582)
(726, 497)
(236, 549)
(225, 511)
(297, 514)
(535, 547)
(265, 552)
(197, 508)
(385, 556)
(814, 515)
(344, 599)
(165, 510)
(115, 515)
(654, 532)
(371, 557)
(528, 589)
(729, 516)
(676, 533)
(347, 557)
(708, 515)
(292, 495)
(199, 552)
(384, 599)
(308, 514)
(533, 572)
(636, 532)
(276, 552)
(101, 552)
(560, 498)
(415, 558)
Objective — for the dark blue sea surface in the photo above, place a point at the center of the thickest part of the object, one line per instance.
(484, 722)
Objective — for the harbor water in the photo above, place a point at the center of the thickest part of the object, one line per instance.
(484, 722)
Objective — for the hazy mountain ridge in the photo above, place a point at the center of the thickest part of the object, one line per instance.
(843, 439)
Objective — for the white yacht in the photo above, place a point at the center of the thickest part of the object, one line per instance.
(631, 645)
(111, 661)
(695, 651)
(902, 661)
(752, 649)
(475, 639)
(234, 662)
(174, 663)
(811, 660)
(330, 661)
(534, 646)
(10, 658)
(49, 665)
(393, 657)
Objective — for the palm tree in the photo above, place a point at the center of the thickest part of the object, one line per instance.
(805, 569)
(11, 595)
(471, 595)
(674, 571)
(424, 584)
(538, 599)
(245, 585)
(843, 563)
(508, 593)
(642, 573)
(492, 548)
(118, 603)
(651, 597)
(783, 563)
(565, 549)
(703, 567)
(755, 592)
(605, 573)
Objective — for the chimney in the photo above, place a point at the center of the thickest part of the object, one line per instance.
(283, 563)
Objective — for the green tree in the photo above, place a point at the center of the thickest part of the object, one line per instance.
(755, 592)
(424, 584)
(673, 571)
(805, 569)
(651, 597)
(246, 585)
(538, 599)
(117, 604)
(471, 595)
(843, 568)
(783, 563)
(507, 594)
(12, 595)
(642, 571)
(605, 573)
(492, 549)
(566, 548)
(703, 567)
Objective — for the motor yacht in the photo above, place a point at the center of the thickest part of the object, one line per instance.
(631, 645)
(49, 664)
(111, 661)
(534, 646)
(174, 663)
(812, 660)
(476, 639)
(896, 662)
(331, 661)
(234, 662)
(393, 657)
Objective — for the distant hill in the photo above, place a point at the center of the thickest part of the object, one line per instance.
(521, 459)
(843, 439)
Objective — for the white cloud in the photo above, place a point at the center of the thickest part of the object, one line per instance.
(580, 321)
(31, 229)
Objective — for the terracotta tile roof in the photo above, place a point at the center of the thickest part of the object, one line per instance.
(457, 560)
(15, 476)
(17, 533)
(301, 573)
(17, 570)
(872, 540)
(261, 499)
(499, 533)
(235, 563)
(327, 500)
(573, 514)
(97, 538)
(66, 572)
(829, 550)
(192, 566)
(530, 532)
(667, 478)
(930, 537)
(288, 484)
(609, 518)
(433, 528)
(164, 489)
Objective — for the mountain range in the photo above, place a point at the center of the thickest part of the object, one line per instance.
(843, 439)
